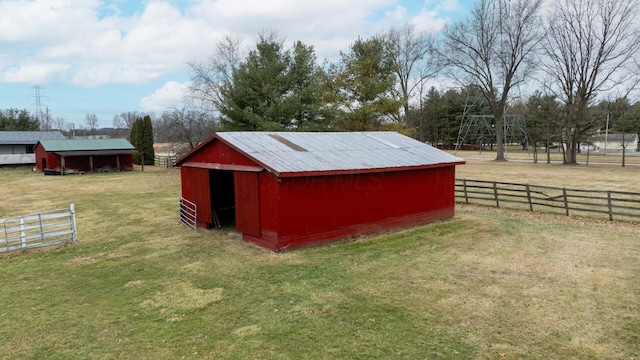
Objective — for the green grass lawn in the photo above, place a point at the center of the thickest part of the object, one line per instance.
(487, 284)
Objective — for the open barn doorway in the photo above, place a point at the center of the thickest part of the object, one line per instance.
(223, 202)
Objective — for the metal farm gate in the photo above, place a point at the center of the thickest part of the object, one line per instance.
(29, 231)
(188, 212)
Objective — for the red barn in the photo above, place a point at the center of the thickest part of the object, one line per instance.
(87, 155)
(284, 190)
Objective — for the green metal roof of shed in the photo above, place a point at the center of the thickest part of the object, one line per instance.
(86, 144)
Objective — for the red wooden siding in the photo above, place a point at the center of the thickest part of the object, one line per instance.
(40, 155)
(77, 163)
(196, 190)
(220, 153)
(247, 203)
(196, 182)
(319, 209)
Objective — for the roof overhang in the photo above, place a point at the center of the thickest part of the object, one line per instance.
(18, 142)
(246, 168)
(364, 171)
(96, 152)
(218, 166)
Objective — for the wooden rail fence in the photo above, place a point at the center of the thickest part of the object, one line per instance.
(165, 161)
(612, 204)
(47, 228)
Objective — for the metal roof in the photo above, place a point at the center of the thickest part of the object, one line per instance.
(86, 145)
(297, 153)
(28, 137)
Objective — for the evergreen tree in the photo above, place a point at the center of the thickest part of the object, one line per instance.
(273, 89)
(364, 81)
(18, 120)
(541, 116)
(141, 137)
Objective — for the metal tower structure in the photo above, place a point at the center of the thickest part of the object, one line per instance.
(40, 116)
(480, 129)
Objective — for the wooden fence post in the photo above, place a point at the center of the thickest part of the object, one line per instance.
(529, 198)
(609, 205)
(466, 196)
(495, 193)
(566, 201)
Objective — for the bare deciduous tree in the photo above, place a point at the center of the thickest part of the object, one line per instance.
(187, 126)
(58, 123)
(46, 121)
(413, 59)
(118, 122)
(588, 45)
(207, 77)
(125, 120)
(92, 123)
(494, 49)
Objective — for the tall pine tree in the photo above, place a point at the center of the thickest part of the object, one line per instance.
(142, 138)
(363, 84)
(274, 89)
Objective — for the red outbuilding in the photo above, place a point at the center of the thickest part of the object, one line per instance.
(85, 155)
(284, 190)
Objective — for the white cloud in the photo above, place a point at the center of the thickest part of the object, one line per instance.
(94, 51)
(429, 21)
(448, 5)
(168, 96)
(34, 72)
(89, 43)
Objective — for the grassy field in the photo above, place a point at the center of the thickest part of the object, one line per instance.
(487, 284)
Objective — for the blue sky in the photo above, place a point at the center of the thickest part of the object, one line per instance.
(109, 57)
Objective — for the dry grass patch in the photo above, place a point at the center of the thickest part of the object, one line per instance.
(563, 284)
(177, 299)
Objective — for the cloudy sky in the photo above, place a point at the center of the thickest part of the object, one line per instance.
(112, 56)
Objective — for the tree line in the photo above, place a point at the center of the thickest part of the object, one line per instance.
(574, 51)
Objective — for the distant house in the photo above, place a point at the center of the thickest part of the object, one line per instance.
(18, 147)
(99, 155)
(614, 143)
